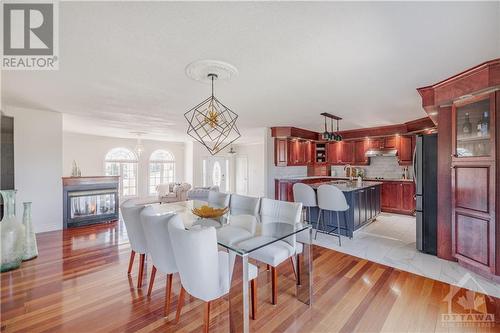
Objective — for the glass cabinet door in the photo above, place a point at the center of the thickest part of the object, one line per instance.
(472, 129)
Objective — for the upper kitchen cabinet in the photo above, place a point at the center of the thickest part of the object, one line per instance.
(472, 133)
(335, 153)
(289, 152)
(360, 148)
(347, 154)
(280, 152)
(406, 146)
(391, 142)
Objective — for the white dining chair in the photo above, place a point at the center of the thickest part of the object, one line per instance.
(158, 240)
(218, 199)
(244, 205)
(332, 199)
(305, 194)
(131, 210)
(244, 213)
(272, 211)
(204, 271)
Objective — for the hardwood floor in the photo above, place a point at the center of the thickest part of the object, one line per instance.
(79, 283)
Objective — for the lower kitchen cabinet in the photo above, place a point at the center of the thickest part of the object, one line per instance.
(398, 197)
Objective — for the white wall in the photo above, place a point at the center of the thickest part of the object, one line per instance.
(38, 164)
(256, 156)
(89, 152)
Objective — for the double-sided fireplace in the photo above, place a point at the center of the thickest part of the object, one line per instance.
(89, 200)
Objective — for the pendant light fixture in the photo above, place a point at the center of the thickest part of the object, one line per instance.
(139, 147)
(332, 135)
(211, 123)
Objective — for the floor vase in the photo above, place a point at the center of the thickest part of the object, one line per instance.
(30, 247)
(12, 233)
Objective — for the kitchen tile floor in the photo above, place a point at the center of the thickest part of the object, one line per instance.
(390, 240)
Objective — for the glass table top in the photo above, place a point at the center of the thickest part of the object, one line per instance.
(265, 235)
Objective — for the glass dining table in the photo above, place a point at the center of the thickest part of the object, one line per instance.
(239, 312)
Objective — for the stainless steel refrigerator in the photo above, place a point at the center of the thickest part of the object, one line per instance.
(425, 177)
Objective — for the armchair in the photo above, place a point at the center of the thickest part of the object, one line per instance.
(173, 192)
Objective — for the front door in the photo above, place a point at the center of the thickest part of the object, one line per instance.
(242, 175)
(217, 172)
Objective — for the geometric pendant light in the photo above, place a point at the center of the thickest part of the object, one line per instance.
(211, 123)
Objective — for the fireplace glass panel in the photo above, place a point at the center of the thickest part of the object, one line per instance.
(92, 203)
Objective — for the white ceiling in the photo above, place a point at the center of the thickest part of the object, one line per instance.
(122, 64)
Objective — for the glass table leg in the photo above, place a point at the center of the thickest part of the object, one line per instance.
(239, 315)
(304, 268)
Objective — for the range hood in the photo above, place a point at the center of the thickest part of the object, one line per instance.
(381, 152)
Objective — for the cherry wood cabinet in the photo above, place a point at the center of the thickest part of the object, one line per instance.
(290, 152)
(347, 152)
(398, 197)
(466, 108)
(360, 148)
(473, 181)
(406, 146)
(376, 143)
(391, 142)
(280, 152)
(335, 153)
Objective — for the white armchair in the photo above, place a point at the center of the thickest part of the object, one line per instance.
(172, 192)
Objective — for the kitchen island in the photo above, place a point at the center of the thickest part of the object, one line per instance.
(364, 206)
(364, 202)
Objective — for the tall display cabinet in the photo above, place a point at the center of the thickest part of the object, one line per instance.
(466, 109)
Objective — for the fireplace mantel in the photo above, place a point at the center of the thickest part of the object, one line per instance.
(85, 180)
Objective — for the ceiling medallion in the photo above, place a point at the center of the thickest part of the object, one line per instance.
(211, 123)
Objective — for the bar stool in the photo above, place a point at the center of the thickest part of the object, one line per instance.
(331, 199)
(305, 194)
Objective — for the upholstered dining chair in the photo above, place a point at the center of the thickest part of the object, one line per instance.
(158, 240)
(272, 211)
(244, 214)
(218, 199)
(131, 211)
(204, 271)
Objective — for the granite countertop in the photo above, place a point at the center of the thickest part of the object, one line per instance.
(299, 178)
(348, 186)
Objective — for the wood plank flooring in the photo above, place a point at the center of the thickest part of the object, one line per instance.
(79, 283)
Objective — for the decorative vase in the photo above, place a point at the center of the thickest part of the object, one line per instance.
(12, 234)
(30, 248)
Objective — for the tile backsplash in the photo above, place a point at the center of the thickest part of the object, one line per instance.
(290, 171)
(380, 166)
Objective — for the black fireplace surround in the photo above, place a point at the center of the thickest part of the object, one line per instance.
(89, 200)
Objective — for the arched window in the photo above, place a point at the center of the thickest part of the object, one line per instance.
(123, 162)
(161, 169)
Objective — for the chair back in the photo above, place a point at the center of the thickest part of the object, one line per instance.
(331, 198)
(272, 211)
(197, 259)
(218, 199)
(131, 210)
(243, 205)
(305, 194)
(158, 240)
(280, 211)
